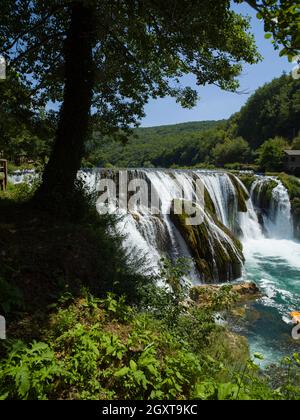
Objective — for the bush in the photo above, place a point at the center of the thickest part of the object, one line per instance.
(231, 151)
(271, 155)
(102, 349)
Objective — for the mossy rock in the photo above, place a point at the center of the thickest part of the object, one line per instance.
(247, 180)
(218, 256)
(292, 184)
(209, 204)
(263, 194)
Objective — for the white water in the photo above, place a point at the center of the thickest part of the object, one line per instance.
(155, 236)
(273, 262)
(278, 221)
(272, 255)
(21, 177)
(279, 225)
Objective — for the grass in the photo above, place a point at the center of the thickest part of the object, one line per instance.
(43, 255)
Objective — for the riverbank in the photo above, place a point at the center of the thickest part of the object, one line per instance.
(66, 255)
(125, 351)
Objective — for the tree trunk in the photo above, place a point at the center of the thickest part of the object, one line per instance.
(60, 173)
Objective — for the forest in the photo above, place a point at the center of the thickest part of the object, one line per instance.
(233, 144)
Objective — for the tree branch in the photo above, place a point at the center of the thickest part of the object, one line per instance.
(253, 4)
(32, 29)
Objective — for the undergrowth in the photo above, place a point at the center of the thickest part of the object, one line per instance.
(84, 325)
(104, 349)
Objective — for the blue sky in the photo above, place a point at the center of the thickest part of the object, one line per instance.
(216, 104)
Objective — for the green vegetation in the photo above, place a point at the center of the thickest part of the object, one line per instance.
(85, 319)
(26, 132)
(231, 151)
(234, 145)
(271, 154)
(149, 147)
(281, 22)
(293, 186)
(214, 257)
(103, 349)
(274, 110)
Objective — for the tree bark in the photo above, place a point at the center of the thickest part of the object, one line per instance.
(61, 171)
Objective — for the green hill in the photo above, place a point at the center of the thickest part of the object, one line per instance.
(272, 111)
(148, 145)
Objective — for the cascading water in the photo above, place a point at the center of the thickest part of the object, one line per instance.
(272, 261)
(21, 177)
(280, 225)
(265, 229)
(157, 236)
(272, 199)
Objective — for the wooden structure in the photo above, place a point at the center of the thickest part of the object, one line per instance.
(292, 161)
(3, 174)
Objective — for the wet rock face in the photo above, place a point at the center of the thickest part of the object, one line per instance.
(296, 216)
(262, 194)
(217, 253)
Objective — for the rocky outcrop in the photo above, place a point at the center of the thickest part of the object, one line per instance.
(262, 194)
(292, 184)
(217, 253)
(203, 294)
(296, 216)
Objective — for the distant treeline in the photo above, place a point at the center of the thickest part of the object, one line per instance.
(267, 124)
(255, 136)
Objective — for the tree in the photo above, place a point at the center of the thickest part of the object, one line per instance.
(296, 142)
(111, 57)
(282, 22)
(271, 155)
(273, 110)
(231, 151)
(25, 130)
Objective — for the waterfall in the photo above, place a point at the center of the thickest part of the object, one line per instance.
(22, 176)
(156, 236)
(271, 198)
(279, 225)
(265, 213)
(249, 223)
(222, 192)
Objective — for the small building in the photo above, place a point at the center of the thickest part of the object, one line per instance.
(292, 161)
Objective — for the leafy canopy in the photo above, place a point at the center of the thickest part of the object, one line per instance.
(282, 21)
(141, 49)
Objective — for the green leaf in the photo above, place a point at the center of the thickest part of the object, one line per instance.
(122, 372)
(258, 356)
(4, 396)
(133, 365)
(23, 381)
